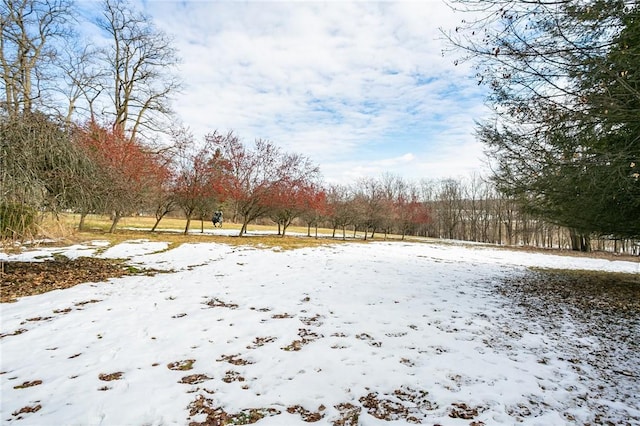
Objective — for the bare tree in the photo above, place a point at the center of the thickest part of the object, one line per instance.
(31, 32)
(340, 210)
(82, 81)
(369, 200)
(140, 60)
(450, 207)
(391, 186)
(410, 212)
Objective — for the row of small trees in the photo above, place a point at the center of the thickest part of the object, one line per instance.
(96, 169)
(469, 209)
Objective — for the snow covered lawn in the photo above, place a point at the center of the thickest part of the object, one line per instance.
(346, 334)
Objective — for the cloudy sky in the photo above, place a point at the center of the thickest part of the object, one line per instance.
(361, 88)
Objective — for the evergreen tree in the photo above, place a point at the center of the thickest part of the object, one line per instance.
(565, 136)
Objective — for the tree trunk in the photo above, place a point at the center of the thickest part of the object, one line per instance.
(186, 228)
(114, 224)
(243, 229)
(579, 241)
(155, 225)
(285, 224)
(158, 219)
(83, 215)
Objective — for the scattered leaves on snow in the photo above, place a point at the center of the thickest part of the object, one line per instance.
(261, 341)
(600, 306)
(232, 376)
(349, 414)
(27, 409)
(111, 376)
(194, 379)
(184, 365)
(460, 410)
(217, 303)
(234, 359)
(28, 384)
(306, 335)
(307, 415)
(217, 416)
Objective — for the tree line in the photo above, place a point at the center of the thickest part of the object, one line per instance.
(79, 128)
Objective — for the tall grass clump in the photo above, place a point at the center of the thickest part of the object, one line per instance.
(17, 221)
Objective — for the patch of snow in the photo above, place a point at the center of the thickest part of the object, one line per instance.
(417, 326)
(133, 248)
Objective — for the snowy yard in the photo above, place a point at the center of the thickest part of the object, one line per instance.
(346, 334)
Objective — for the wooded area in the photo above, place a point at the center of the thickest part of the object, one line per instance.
(564, 85)
(80, 126)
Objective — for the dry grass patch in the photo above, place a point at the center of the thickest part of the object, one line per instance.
(234, 360)
(171, 230)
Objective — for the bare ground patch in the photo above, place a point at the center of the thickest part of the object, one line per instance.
(19, 279)
(569, 307)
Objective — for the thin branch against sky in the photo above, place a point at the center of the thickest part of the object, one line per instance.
(362, 88)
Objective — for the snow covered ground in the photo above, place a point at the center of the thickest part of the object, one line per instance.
(347, 334)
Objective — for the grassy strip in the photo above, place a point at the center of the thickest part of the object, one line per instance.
(172, 230)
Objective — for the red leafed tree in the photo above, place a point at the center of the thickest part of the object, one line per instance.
(410, 212)
(163, 199)
(285, 202)
(258, 179)
(292, 193)
(315, 208)
(128, 172)
(369, 202)
(199, 177)
(341, 210)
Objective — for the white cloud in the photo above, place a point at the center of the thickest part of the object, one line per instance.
(352, 85)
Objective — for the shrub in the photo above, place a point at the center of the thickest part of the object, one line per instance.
(17, 220)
